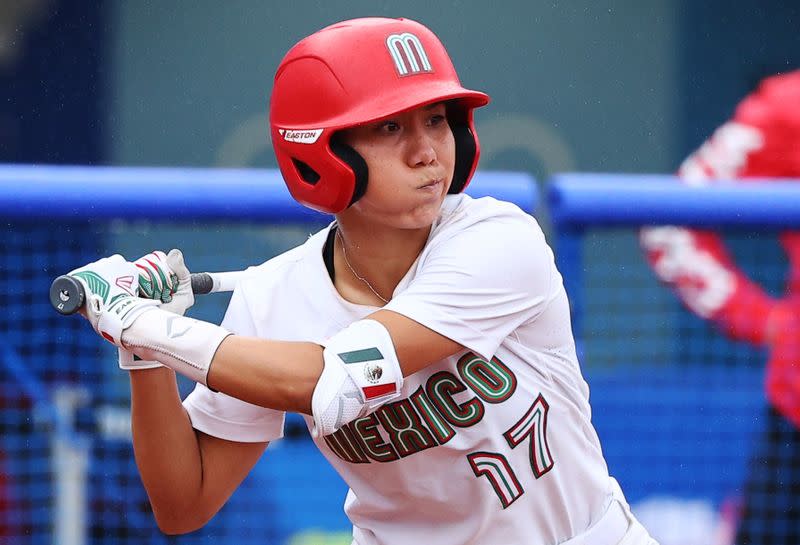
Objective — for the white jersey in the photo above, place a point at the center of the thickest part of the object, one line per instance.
(493, 445)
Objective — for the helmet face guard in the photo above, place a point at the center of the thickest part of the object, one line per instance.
(352, 73)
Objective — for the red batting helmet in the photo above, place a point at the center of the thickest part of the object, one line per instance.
(774, 109)
(356, 72)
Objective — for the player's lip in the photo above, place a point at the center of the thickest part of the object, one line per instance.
(431, 184)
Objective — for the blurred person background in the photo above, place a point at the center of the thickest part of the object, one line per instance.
(617, 86)
(760, 141)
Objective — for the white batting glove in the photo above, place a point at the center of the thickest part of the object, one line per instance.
(112, 307)
(163, 278)
(110, 285)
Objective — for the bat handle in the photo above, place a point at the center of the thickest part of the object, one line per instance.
(202, 283)
(67, 295)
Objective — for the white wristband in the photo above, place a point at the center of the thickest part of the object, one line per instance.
(183, 344)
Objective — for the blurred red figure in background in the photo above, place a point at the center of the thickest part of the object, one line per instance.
(761, 140)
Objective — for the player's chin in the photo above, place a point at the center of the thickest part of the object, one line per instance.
(407, 210)
(421, 216)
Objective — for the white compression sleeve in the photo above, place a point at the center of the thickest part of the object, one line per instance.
(183, 344)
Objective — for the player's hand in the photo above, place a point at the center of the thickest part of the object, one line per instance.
(111, 291)
(783, 367)
(163, 278)
(156, 280)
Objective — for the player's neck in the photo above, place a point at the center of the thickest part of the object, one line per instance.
(375, 259)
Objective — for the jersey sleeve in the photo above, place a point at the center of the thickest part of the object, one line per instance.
(760, 141)
(482, 282)
(226, 417)
(697, 267)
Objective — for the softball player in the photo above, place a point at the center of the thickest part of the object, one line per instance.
(761, 140)
(425, 335)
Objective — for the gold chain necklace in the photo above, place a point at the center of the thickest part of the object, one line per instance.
(352, 270)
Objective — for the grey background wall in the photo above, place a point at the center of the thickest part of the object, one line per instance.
(574, 85)
(616, 85)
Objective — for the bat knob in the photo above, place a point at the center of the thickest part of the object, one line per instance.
(66, 295)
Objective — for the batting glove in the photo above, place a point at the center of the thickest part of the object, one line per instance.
(164, 278)
(111, 289)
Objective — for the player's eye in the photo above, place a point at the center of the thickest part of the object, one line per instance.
(388, 127)
(437, 114)
(437, 119)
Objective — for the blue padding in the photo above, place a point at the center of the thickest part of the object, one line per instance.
(517, 187)
(70, 192)
(627, 199)
(676, 431)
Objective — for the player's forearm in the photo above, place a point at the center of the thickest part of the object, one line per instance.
(276, 374)
(361, 367)
(166, 449)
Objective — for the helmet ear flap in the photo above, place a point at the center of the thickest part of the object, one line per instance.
(356, 163)
(466, 148)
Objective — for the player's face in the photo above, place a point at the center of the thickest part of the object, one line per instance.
(411, 157)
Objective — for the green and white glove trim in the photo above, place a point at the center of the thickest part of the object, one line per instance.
(110, 288)
(156, 280)
(164, 278)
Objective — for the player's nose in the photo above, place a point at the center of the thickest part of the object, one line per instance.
(422, 151)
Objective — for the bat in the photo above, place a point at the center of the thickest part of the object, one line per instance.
(67, 295)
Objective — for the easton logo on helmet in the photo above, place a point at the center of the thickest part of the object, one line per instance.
(300, 137)
(413, 59)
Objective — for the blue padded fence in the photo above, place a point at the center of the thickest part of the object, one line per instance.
(67, 473)
(83, 193)
(678, 407)
(582, 199)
